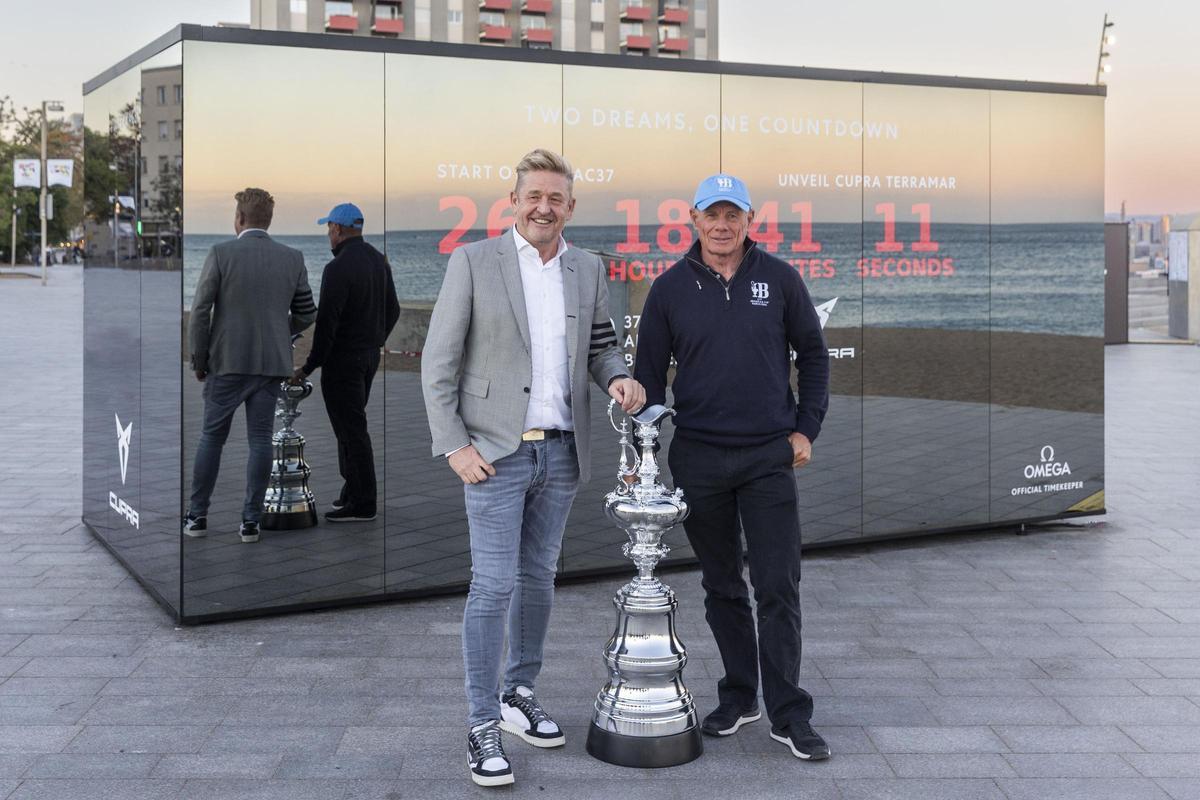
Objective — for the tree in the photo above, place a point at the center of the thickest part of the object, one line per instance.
(21, 137)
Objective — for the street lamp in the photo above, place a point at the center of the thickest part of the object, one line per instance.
(1106, 39)
(57, 106)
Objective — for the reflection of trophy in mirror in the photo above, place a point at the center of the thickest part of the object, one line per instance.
(289, 504)
(644, 716)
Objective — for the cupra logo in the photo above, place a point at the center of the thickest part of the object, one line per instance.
(825, 309)
(123, 437)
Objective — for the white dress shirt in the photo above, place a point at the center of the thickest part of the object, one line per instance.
(550, 389)
(247, 230)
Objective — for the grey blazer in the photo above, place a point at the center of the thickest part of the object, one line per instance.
(240, 322)
(476, 367)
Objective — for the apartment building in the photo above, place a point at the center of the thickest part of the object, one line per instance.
(659, 28)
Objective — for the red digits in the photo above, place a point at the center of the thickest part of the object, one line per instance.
(465, 205)
(889, 243)
(500, 216)
(633, 230)
(767, 218)
(806, 243)
(673, 216)
(924, 243)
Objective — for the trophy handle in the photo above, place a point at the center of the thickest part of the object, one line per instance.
(626, 471)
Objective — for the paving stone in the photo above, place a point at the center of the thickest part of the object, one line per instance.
(1107, 710)
(1065, 739)
(1081, 789)
(36, 738)
(287, 739)
(919, 789)
(77, 766)
(218, 765)
(139, 739)
(1164, 738)
(1165, 765)
(91, 789)
(950, 765)
(1180, 788)
(937, 739)
(1070, 765)
(997, 711)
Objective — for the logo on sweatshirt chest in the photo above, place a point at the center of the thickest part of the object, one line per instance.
(760, 293)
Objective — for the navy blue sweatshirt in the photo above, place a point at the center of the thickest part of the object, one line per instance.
(358, 306)
(730, 342)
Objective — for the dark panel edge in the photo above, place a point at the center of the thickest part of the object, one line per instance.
(327, 41)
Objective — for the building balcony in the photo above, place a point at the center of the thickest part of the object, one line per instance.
(495, 33)
(341, 23)
(538, 35)
(673, 15)
(635, 14)
(673, 45)
(495, 5)
(636, 43)
(388, 27)
(537, 6)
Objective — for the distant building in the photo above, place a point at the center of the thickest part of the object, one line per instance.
(662, 28)
(160, 167)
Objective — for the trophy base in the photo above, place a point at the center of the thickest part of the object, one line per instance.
(288, 520)
(644, 751)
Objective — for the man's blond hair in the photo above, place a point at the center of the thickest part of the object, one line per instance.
(256, 206)
(542, 160)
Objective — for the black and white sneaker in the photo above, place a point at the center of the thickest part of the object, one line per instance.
(196, 527)
(249, 531)
(485, 756)
(521, 714)
(728, 718)
(802, 740)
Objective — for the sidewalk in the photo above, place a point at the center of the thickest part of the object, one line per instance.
(1061, 664)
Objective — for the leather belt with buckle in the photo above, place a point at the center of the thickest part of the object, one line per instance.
(539, 434)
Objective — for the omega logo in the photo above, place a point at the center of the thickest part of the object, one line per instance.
(1047, 467)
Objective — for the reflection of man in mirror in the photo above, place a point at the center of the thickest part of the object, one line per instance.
(358, 310)
(240, 336)
(521, 323)
(729, 312)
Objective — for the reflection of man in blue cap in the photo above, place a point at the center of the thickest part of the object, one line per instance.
(729, 312)
(358, 309)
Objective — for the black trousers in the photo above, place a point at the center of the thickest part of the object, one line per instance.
(755, 485)
(346, 386)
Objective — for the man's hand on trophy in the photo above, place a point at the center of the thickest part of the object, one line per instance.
(297, 377)
(629, 393)
(470, 466)
(201, 375)
(801, 449)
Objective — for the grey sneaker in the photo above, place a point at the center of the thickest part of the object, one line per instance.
(485, 756)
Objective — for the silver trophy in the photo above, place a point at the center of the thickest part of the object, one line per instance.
(289, 504)
(644, 716)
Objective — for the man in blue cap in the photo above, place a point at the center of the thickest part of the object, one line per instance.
(357, 310)
(729, 312)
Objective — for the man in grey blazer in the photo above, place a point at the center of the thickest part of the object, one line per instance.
(520, 325)
(252, 297)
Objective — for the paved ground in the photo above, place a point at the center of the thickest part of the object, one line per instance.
(1061, 664)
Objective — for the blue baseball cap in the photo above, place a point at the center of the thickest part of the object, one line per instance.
(722, 188)
(346, 214)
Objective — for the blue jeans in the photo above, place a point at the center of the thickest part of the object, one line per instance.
(223, 394)
(516, 519)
